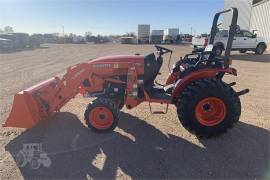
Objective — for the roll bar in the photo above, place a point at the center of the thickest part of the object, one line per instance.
(232, 31)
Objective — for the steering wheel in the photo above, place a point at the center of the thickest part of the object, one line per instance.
(162, 50)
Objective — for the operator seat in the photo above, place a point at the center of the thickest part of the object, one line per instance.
(151, 69)
(214, 58)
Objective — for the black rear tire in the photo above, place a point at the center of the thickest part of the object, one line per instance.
(108, 113)
(260, 49)
(203, 89)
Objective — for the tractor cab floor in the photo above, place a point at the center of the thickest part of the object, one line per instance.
(158, 92)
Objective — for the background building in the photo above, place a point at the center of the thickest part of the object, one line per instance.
(253, 15)
(170, 35)
(143, 33)
(157, 36)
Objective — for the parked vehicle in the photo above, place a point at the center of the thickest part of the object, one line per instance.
(50, 38)
(35, 40)
(11, 39)
(243, 41)
(5, 44)
(78, 40)
(128, 40)
(184, 38)
(19, 40)
(200, 42)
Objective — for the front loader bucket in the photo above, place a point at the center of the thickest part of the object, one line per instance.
(32, 105)
(24, 113)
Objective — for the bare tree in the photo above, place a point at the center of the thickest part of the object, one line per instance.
(88, 34)
(131, 34)
(8, 29)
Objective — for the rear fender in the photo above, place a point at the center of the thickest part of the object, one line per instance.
(181, 84)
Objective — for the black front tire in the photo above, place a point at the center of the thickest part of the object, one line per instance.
(200, 90)
(111, 112)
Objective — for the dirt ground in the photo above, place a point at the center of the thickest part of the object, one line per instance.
(143, 145)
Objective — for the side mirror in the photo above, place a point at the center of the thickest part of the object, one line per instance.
(254, 31)
(254, 35)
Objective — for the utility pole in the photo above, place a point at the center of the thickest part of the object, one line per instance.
(190, 30)
(63, 31)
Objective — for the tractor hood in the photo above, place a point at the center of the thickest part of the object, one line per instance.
(119, 58)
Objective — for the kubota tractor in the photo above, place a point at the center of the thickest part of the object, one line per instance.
(206, 105)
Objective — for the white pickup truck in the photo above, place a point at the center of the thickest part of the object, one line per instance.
(243, 41)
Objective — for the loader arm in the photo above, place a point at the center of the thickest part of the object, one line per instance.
(36, 103)
(69, 85)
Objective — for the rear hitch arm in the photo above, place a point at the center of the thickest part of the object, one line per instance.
(232, 84)
(240, 93)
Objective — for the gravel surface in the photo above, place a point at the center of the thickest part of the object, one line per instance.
(143, 145)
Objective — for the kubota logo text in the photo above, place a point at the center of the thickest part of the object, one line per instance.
(102, 65)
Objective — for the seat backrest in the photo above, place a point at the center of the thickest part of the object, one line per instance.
(151, 68)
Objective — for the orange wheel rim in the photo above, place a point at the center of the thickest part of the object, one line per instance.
(101, 118)
(210, 111)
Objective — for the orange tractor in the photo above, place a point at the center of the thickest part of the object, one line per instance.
(205, 104)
